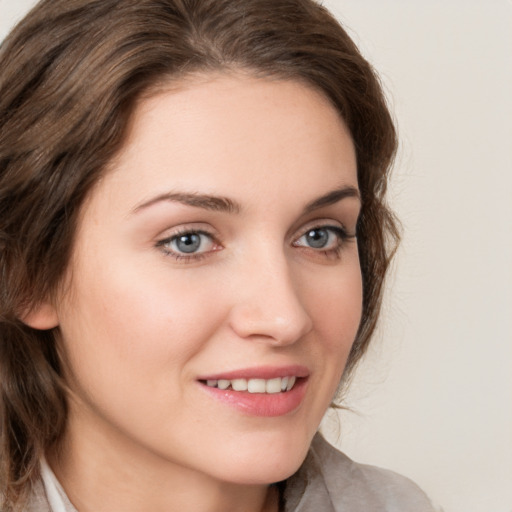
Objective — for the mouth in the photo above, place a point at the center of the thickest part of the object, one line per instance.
(268, 386)
(263, 391)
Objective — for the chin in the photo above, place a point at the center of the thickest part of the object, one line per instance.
(266, 460)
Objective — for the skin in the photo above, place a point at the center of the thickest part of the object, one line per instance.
(139, 325)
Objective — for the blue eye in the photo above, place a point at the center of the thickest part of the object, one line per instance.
(317, 238)
(189, 243)
(322, 238)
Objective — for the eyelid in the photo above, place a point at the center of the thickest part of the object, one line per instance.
(326, 223)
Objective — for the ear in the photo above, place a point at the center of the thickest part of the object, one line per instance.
(42, 316)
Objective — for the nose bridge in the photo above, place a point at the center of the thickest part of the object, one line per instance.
(268, 305)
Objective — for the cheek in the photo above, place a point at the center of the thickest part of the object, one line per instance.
(335, 303)
(128, 341)
(126, 322)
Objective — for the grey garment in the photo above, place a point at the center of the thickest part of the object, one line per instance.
(327, 481)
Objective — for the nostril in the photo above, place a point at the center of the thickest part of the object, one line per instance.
(269, 327)
(268, 306)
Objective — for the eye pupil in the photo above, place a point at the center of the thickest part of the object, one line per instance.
(317, 238)
(188, 243)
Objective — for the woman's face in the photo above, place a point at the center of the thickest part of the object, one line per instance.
(217, 253)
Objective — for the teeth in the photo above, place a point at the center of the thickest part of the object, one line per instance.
(256, 386)
(273, 385)
(277, 385)
(291, 382)
(239, 384)
(222, 384)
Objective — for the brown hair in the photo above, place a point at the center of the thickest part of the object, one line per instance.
(71, 73)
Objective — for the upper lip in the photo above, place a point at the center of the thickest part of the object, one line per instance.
(260, 372)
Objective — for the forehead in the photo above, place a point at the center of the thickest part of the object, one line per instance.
(216, 132)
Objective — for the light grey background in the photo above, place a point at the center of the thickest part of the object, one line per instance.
(434, 398)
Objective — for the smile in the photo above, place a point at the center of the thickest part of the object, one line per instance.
(270, 386)
(263, 391)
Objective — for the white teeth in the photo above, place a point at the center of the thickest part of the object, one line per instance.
(273, 385)
(256, 385)
(223, 384)
(276, 385)
(239, 384)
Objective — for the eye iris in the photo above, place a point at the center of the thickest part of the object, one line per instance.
(317, 238)
(188, 243)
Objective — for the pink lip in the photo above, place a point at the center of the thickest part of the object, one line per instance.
(261, 404)
(260, 372)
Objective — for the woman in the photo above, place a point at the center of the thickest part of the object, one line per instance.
(194, 239)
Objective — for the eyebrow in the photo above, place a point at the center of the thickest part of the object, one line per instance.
(332, 198)
(224, 204)
(207, 202)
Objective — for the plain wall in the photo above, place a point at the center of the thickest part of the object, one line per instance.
(433, 400)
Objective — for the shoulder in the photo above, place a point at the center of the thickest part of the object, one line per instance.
(333, 479)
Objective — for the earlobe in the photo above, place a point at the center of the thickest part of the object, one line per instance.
(42, 316)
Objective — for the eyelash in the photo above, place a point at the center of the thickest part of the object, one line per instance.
(340, 233)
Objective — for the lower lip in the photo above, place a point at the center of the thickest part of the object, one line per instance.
(261, 404)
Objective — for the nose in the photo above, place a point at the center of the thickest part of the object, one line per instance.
(267, 305)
